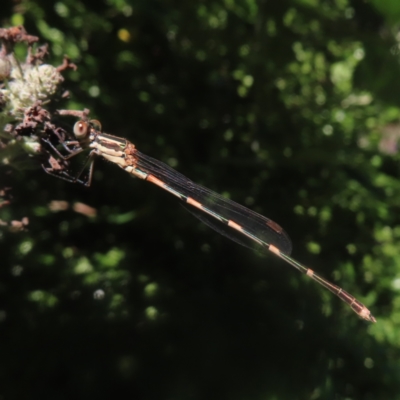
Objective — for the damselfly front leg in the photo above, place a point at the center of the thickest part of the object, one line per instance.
(73, 148)
(66, 174)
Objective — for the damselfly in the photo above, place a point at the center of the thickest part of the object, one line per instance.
(225, 216)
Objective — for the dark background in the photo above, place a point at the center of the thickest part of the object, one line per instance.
(291, 108)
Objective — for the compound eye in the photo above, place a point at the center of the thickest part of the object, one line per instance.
(81, 129)
(96, 124)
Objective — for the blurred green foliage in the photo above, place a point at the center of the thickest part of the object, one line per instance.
(290, 108)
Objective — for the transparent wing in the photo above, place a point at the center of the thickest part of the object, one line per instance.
(261, 227)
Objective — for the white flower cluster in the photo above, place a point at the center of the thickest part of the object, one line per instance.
(27, 84)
